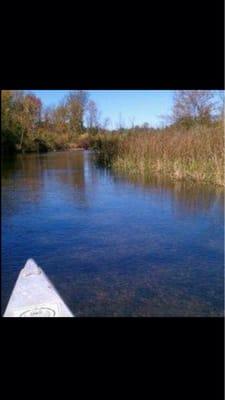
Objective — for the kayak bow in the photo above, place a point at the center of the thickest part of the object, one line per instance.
(35, 296)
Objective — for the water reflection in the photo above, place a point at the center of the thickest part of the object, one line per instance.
(113, 246)
(187, 197)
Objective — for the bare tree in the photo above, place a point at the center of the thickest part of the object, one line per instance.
(60, 118)
(104, 124)
(48, 116)
(132, 120)
(193, 106)
(221, 104)
(120, 124)
(146, 126)
(92, 117)
(76, 103)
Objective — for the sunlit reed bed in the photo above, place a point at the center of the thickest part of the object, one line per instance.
(196, 153)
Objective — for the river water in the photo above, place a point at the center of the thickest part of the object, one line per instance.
(110, 245)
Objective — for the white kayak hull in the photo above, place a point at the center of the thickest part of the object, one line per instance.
(35, 296)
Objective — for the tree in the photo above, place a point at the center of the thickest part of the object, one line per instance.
(92, 117)
(6, 107)
(132, 125)
(60, 118)
(221, 104)
(48, 117)
(28, 116)
(120, 123)
(9, 136)
(191, 106)
(105, 124)
(76, 103)
(20, 117)
(146, 126)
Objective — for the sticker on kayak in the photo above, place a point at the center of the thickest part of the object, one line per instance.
(40, 311)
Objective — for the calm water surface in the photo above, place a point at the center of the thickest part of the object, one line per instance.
(111, 246)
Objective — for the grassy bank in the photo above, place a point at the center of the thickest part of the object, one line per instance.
(196, 153)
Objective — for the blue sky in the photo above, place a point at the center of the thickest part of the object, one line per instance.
(128, 105)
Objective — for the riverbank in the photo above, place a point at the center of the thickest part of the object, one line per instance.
(194, 154)
(52, 143)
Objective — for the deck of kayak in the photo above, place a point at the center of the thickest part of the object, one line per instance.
(35, 296)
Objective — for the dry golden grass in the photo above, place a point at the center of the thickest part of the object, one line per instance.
(196, 154)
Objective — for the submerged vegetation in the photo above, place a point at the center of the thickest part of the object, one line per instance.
(191, 146)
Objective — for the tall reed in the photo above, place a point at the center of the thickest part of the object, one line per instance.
(196, 154)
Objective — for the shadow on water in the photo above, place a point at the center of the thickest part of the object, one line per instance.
(113, 246)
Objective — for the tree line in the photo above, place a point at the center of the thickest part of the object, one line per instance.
(26, 125)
